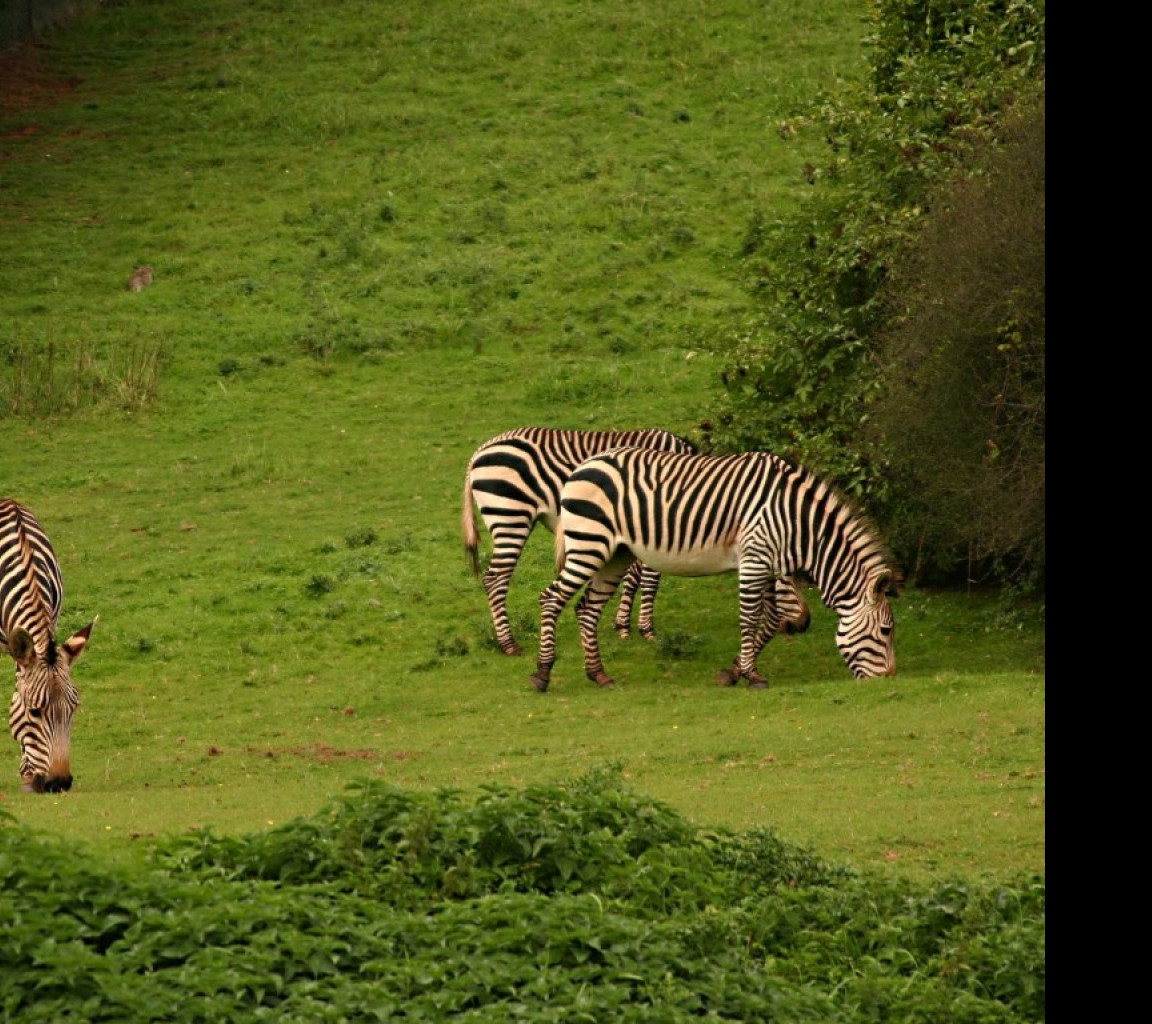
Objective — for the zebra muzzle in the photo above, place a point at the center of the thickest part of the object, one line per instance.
(43, 784)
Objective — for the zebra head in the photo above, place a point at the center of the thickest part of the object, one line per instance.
(43, 704)
(864, 633)
(795, 615)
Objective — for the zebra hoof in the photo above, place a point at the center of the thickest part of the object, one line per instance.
(648, 634)
(540, 682)
(757, 682)
(623, 632)
(602, 679)
(726, 677)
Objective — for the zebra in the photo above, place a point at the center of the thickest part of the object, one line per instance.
(45, 698)
(515, 480)
(699, 515)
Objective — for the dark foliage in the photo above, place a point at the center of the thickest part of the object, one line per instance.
(804, 381)
(963, 368)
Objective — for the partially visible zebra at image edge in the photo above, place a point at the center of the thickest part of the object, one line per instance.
(515, 480)
(700, 515)
(45, 698)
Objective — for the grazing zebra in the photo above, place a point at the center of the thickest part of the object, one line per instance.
(515, 479)
(45, 698)
(698, 515)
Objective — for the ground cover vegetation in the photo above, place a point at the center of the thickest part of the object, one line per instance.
(379, 237)
(574, 901)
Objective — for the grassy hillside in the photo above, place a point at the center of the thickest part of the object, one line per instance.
(382, 234)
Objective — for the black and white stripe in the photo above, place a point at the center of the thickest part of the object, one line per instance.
(45, 698)
(698, 515)
(514, 479)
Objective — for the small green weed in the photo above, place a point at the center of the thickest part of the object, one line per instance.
(677, 644)
(362, 538)
(47, 376)
(453, 647)
(319, 585)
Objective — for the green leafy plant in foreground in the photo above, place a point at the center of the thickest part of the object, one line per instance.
(573, 901)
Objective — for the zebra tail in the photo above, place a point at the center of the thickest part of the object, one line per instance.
(559, 546)
(468, 525)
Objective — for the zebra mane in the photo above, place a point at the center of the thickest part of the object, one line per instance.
(872, 548)
(42, 639)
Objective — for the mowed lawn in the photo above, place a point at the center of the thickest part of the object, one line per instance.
(381, 235)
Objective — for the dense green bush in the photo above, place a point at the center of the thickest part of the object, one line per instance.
(803, 380)
(574, 902)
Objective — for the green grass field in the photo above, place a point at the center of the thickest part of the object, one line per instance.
(380, 236)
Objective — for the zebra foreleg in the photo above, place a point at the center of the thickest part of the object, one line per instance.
(731, 676)
(759, 621)
(649, 584)
(770, 622)
(628, 588)
(784, 608)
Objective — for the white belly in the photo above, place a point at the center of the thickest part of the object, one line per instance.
(707, 561)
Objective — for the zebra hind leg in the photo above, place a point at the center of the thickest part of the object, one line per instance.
(496, 587)
(589, 609)
(552, 602)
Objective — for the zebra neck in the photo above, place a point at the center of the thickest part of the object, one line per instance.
(837, 558)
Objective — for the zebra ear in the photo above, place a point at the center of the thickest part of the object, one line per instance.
(75, 644)
(886, 584)
(21, 646)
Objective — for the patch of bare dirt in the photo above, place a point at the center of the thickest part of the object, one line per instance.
(26, 85)
(323, 753)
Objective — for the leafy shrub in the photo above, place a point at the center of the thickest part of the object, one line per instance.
(962, 363)
(574, 901)
(803, 380)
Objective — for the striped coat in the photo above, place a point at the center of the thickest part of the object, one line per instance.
(45, 698)
(698, 515)
(514, 481)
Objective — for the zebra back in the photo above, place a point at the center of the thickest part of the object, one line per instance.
(525, 469)
(546, 456)
(665, 502)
